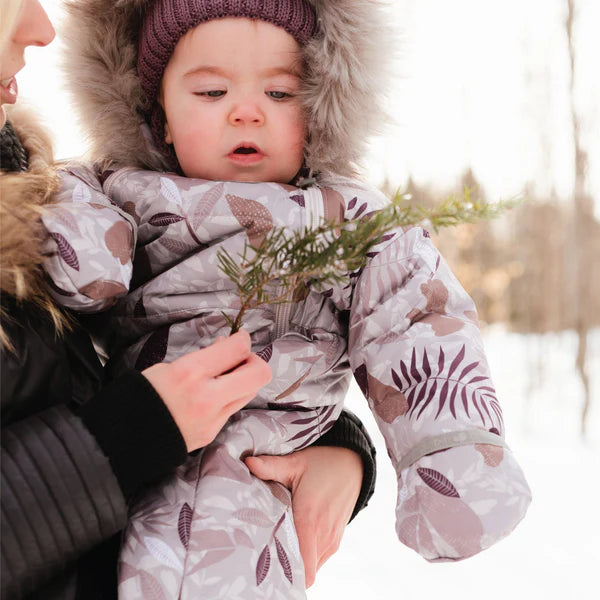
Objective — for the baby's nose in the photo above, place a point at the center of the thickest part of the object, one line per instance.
(246, 112)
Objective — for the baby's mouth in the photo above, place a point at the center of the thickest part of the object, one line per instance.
(244, 150)
(246, 155)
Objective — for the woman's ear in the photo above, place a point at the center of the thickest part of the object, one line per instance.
(168, 138)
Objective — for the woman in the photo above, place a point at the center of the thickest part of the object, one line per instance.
(74, 448)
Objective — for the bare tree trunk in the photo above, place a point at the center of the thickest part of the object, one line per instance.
(583, 220)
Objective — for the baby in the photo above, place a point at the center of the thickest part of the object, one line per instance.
(216, 121)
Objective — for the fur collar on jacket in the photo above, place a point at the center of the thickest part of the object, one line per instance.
(344, 87)
(22, 197)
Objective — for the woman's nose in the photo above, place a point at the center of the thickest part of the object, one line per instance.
(34, 27)
(246, 112)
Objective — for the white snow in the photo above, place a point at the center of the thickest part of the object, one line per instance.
(555, 551)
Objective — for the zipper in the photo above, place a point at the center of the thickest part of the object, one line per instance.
(314, 210)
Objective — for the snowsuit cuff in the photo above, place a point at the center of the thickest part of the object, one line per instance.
(135, 430)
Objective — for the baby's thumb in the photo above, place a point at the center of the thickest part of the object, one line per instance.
(272, 468)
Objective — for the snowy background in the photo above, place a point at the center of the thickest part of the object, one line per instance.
(482, 84)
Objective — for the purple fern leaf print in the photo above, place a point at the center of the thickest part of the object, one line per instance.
(184, 524)
(397, 381)
(474, 402)
(430, 397)
(457, 360)
(441, 360)
(468, 369)
(438, 482)
(154, 349)
(263, 565)
(266, 353)
(66, 251)
(164, 218)
(414, 371)
(443, 397)
(425, 364)
(465, 401)
(284, 561)
(452, 398)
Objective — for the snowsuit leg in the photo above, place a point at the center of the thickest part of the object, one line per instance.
(215, 531)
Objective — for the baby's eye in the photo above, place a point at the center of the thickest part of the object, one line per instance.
(276, 95)
(211, 93)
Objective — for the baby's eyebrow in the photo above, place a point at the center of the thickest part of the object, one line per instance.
(282, 70)
(291, 70)
(208, 69)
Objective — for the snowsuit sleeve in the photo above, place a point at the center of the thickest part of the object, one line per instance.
(416, 352)
(90, 244)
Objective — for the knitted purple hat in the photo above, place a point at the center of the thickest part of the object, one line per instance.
(168, 20)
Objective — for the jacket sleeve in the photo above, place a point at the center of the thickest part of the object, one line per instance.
(416, 351)
(66, 477)
(59, 498)
(349, 432)
(90, 243)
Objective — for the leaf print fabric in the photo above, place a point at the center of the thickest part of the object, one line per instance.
(213, 531)
(402, 325)
(90, 245)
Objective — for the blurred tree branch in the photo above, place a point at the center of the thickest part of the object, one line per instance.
(584, 215)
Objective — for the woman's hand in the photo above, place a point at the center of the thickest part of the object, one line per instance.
(204, 388)
(325, 482)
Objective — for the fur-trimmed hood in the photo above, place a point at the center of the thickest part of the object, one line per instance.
(22, 197)
(343, 95)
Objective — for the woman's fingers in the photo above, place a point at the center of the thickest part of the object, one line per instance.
(282, 469)
(204, 388)
(308, 541)
(328, 550)
(245, 379)
(221, 356)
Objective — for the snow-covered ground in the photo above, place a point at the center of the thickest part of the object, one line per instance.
(555, 551)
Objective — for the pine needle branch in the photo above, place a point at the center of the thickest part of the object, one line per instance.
(324, 255)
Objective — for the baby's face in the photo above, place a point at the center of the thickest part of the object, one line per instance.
(229, 96)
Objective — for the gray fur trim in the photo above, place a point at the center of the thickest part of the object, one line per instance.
(343, 97)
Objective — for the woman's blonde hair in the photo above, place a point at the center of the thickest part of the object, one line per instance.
(10, 17)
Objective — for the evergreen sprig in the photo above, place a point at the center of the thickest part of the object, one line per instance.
(324, 255)
(454, 210)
